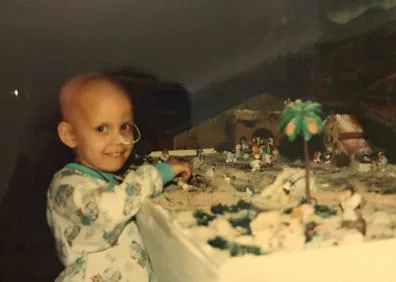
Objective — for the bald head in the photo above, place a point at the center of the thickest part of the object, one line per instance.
(76, 94)
(97, 121)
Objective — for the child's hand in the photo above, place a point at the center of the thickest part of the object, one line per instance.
(182, 170)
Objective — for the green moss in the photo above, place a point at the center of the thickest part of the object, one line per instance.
(240, 250)
(218, 242)
(203, 218)
(324, 211)
(243, 222)
(241, 205)
(219, 209)
(234, 248)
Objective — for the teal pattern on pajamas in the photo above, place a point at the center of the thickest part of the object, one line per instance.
(91, 216)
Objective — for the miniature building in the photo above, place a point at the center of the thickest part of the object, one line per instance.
(249, 124)
(224, 127)
(344, 133)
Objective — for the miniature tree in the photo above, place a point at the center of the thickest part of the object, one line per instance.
(302, 118)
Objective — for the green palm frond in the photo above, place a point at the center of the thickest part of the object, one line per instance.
(297, 130)
(316, 119)
(297, 113)
(285, 118)
(313, 107)
(306, 134)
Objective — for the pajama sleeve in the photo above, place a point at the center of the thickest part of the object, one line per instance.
(87, 201)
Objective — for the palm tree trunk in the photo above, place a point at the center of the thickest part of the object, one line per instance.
(307, 170)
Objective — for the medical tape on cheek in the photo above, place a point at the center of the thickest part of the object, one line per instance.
(124, 141)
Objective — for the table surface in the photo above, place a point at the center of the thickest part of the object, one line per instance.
(176, 259)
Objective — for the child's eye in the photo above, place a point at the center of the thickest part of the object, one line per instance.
(126, 127)
(101, 129)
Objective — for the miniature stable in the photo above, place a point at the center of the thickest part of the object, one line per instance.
(252, 215)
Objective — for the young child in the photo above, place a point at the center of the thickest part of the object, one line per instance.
(91, 210)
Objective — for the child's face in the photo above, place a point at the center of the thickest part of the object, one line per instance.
(103, 131)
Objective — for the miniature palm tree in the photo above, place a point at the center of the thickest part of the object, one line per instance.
(302, 118)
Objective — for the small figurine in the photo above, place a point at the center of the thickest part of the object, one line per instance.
(288, 102)
(244, 145)
(256, 163)
(317, 158)
(351, 205)
(184, 185)
(271, 142)
(246, 156)
(165, 156)
(275, 155)
(200, 153)
(230, 157)
(267, 147)
(238, 151)
(209, 173)
(196, 162)
(256, 149)
(328, 155)
(382, 161)
(365, 159)
(267, 159)
(258, 140)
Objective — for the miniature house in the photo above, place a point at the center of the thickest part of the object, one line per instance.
(249, 124)
(344, 133)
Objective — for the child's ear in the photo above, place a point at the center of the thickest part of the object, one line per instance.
(66, 134)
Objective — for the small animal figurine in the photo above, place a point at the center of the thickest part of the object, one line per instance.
(382, 161)
(256, 163)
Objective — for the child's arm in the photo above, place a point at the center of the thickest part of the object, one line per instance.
(87, 202)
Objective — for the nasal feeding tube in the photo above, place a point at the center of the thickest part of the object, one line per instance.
(125, 141)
